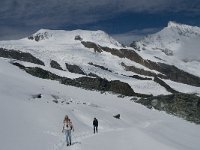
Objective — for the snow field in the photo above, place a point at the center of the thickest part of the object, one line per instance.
(36, 123)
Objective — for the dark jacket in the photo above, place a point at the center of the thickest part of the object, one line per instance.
(95, 122)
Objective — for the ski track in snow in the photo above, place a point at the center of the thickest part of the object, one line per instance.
(77, 140)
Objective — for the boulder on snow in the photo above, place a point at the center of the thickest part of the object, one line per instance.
(117, 116)
(78, 37)
(55, 101)
(37, 96)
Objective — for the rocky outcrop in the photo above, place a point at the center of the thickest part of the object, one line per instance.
(135, 46)
(74, 69)
(55, 65)
(186, 106)
(78, 38)
(99, 66)
(18, 55)
(139, 71)
(39, 36)
(105, 85)
(96, 47)
(178, 75)
(93, 75)
(165, 85)
(140, 78)
(98, 84)
(167, 71)
(122, 88)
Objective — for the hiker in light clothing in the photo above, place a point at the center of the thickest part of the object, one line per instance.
(67, 127)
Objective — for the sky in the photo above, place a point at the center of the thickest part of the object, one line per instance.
(125, 20)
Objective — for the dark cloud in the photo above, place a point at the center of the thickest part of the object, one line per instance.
(85, 11)
(34, 14)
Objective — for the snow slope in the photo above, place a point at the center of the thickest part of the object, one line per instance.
(61, 46)
(36, 123)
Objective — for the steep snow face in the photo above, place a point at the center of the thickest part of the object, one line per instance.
(177, 40)
(176, 44)
(62, 36)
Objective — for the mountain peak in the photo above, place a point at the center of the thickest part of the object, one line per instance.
(173, 24)
(187, 28)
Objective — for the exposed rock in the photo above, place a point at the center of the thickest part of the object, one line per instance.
(165, 85)
(37, 96)
(84, 82)
(135, 46)
(101, 67)
(96, 47)
(55, 65)
(93, 83)
(178, 75)
(186, 106)
(74, 69)
(38, 72)
(168, 52)
(140, 78)
(55, 97)
(93, 75)
(18, 65)
(139, 71)
(117, 116)
(55, 101)
(20, 56)
(39, 36)
(168, 71)
(113, 51)
(121, 87)
(78, 37)
(158, 58)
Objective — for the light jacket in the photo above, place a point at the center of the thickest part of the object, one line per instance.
(67, 126)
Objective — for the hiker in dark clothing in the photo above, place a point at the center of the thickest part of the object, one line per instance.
(95, 124)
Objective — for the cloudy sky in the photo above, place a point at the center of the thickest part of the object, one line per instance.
(124, 19)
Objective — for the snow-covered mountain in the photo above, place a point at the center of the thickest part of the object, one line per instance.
(63, 37)
(67, 69)
(62, 47)
(176, 44)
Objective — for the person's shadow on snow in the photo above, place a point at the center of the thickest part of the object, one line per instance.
(73, 143)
